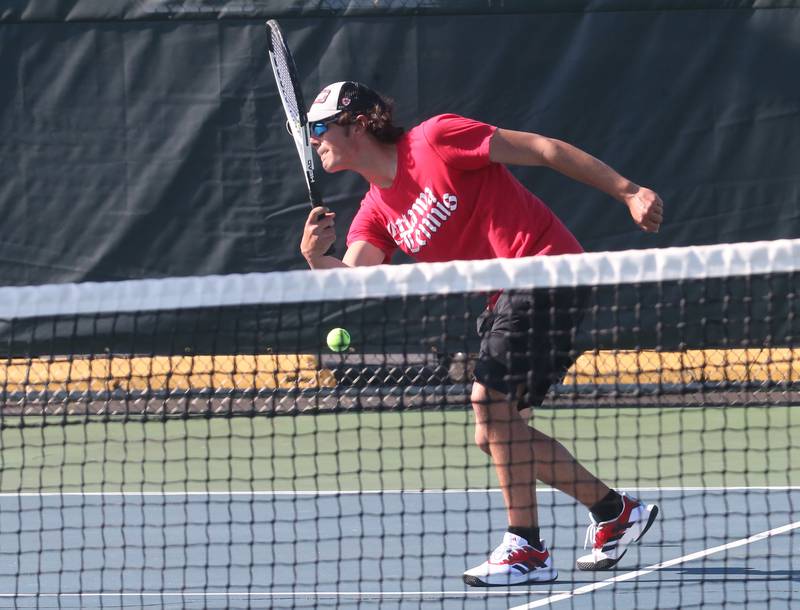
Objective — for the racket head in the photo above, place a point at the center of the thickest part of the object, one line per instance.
(291, 95)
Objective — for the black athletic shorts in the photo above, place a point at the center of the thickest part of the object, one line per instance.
(528, 342)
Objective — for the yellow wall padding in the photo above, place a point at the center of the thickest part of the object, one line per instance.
(256, 372)
(690, 366)
(241, 372)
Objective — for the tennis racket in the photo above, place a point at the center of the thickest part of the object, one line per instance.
(292, 98)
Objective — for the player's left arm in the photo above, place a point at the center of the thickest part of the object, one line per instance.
(523, 148)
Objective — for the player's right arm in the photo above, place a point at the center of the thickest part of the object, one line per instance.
(319, 235)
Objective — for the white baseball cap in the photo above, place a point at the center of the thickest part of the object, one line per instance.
(344, 96)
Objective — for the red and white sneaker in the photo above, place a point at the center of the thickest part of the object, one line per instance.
(515, 562)
(611, 539)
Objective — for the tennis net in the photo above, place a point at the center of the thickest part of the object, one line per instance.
(193, 442)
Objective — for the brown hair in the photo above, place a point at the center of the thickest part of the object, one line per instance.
(379, 121)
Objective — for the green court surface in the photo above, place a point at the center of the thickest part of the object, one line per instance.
(731, 446)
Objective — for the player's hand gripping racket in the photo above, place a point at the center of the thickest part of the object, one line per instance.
(292, 98)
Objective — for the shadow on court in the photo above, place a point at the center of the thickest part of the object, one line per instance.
(736, 573)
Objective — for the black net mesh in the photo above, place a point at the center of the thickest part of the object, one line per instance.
(207, 449)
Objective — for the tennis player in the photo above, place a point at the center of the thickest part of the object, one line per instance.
(439, 192)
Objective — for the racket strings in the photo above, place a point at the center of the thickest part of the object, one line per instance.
(283, 72)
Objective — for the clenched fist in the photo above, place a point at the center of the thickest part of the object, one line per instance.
(318, 234)
(647, 209)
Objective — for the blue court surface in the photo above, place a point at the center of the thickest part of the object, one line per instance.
(711, 547)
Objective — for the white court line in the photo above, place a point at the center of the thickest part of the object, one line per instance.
(366, 492)
(288, 594)
(658, 566)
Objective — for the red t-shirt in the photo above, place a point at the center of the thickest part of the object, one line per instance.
(448, 201)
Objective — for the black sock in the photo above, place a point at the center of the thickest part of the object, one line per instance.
(531, 534)
(608, 508)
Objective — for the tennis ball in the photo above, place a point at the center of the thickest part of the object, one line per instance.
(338, 340)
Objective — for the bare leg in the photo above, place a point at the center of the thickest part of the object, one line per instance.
(508, 441)
(554, 464)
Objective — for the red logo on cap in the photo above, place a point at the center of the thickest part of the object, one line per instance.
(323, 95)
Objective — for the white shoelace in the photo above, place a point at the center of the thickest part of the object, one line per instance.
(502, 552)
(591, 532)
